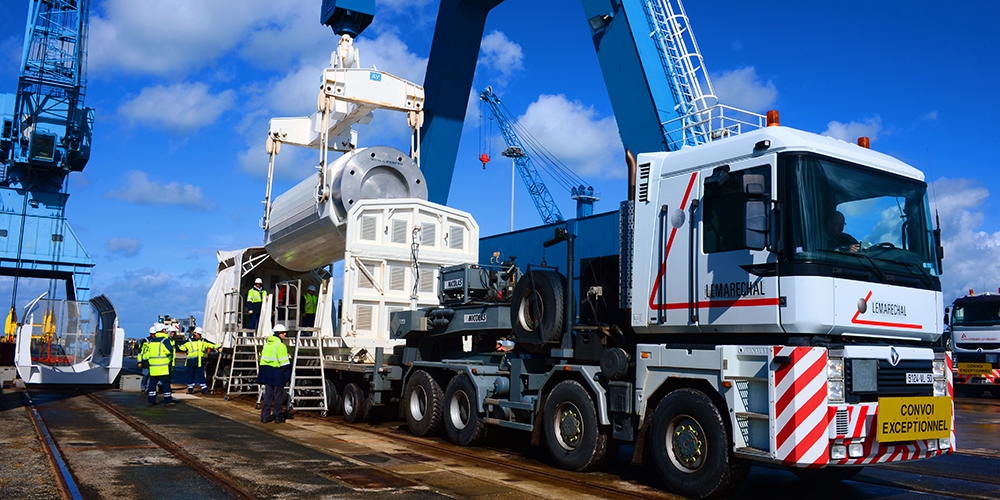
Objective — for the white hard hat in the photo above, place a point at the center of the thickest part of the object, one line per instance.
(172, 329)
(258, 281)
(312, 288)
(153, 329)
(279, 328)
(198, 330)
(160, 327)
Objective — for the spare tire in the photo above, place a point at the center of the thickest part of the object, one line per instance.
(537, 308)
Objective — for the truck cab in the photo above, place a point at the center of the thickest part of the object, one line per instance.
(973, 326)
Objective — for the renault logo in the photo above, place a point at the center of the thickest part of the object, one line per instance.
(893, 356)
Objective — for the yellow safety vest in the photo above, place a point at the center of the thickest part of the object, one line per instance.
(255, 295)
(275, 353)
(160, 356)
(197, 348)
(311, 301)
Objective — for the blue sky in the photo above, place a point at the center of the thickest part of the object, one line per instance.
(183, 91)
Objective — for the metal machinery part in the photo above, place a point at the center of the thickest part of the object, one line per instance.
(305, 233)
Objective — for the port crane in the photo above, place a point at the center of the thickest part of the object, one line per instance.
(46, 136)
(523, 157)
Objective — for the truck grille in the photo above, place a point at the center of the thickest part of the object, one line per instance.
(892, 380)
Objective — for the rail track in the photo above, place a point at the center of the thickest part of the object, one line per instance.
(67, 478)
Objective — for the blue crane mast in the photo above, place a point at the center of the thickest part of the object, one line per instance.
(46, 135)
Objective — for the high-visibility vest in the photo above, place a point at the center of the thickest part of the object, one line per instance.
(160, 355)
(275, 353)
(197, 348)
(255, 295)
(143, 349)
(311, 301)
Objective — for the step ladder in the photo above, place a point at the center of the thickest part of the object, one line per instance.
(237, 367)
(308, 390)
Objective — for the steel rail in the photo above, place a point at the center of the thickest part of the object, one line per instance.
(220, 480)
(64, 477)
(573, 480)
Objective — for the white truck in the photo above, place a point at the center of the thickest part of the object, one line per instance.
(732, 322)
(973, 327)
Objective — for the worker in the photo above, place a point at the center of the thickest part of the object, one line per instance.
(274, 371)
(309, 307)
(255, 298)
(835, 230)
(143, 347)
(161, 360)
(196, 350)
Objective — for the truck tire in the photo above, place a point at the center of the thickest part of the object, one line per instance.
(691, 448)
(536, 313)
(422, 401)
(333, 406)
(826, 474)
(463, 422)
(357, 406)
(574, 438)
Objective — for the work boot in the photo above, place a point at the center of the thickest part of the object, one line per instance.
(190, 390)
(153, 403)
(170, 404)
(279, 420)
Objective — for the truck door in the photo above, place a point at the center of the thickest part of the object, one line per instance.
(668, 296)
(736, 287)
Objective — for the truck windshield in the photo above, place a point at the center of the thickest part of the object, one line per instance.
(872, 222)
(982, 313)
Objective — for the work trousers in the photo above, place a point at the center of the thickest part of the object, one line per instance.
(196, 376)
(163, 380)
(144, 383)
(275, 394)
(252, 316)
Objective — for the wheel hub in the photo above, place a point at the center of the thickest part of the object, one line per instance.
(570, 427)
(686, 444)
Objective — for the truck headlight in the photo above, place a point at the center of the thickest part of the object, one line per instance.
(855, 450)
(939, 368)
(835, 391)
(835, 380)
(944, 443)
(838, 452)
(940, 387)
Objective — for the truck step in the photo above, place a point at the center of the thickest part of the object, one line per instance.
(508, 424)
(751, 414)
(753, 452)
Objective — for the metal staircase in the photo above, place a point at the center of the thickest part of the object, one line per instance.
(308, 390)
(236, 367)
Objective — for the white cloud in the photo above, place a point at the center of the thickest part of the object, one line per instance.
(497, 52)
(388, 53)
(573, 133)
(176, 37)
(133, 291)
(127, 247)
(139, 189)
(178, 107)
(10, 55)
(743, 88)
(850, 132)
(972, 255)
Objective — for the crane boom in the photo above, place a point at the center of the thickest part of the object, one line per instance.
(540, 195)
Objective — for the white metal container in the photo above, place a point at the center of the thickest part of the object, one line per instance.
(304, 234)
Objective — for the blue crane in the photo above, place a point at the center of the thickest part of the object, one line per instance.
(540, 195)
(46, 135)
(524, 155)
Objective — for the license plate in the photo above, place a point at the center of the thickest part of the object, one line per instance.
(919, 378)
(912, 419)
(975, 368)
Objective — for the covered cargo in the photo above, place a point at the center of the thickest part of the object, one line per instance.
(306, 224)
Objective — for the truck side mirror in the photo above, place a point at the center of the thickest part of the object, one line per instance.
(756, 225)
(755, 237)
(947, 315)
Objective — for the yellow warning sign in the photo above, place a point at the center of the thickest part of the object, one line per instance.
(974, 368)
(910, 419)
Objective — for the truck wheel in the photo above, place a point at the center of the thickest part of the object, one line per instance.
(691, 448)
(573, 436)
(536, 312)
(332, 398)
(356, 403)
(826, 474)
(422, 402)
(463, 423)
